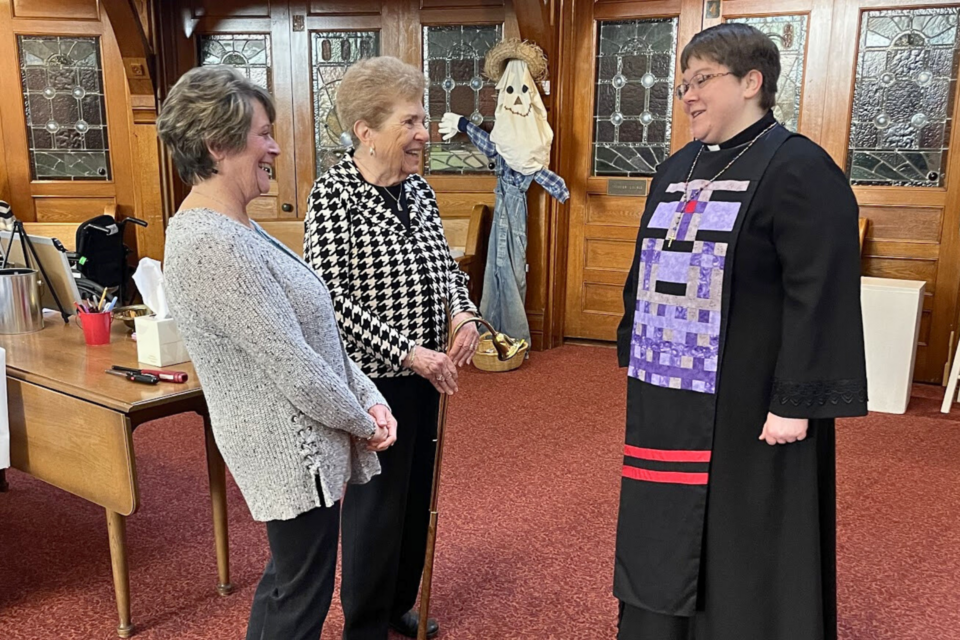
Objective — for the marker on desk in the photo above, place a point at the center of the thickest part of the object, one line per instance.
(110, 305)
(143, 378)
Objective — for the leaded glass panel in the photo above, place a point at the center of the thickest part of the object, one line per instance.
(332, 52)
(63, 102)
(452, 62)
(636, 62)
(903, 100)
(789, 33)
(247, 52)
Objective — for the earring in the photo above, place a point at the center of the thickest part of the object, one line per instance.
(373, 151)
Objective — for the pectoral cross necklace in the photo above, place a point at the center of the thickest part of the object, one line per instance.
(687, 194)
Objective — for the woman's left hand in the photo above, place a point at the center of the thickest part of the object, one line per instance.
(778, 430)
(465, 342)
(385, 420)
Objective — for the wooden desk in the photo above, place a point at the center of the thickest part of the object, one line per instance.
(71, 425)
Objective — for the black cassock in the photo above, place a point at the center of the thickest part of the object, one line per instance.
(742, 300)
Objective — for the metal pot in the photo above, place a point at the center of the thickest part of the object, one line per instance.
(20, 310)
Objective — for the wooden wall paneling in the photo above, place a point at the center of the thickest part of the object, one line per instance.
(235, 9)
(349, 8)
(60, 209)
(120, 126)
(132, 22)
(57, 9)
(4, 180)
(490, 14)
(562, 64)
(449, 4)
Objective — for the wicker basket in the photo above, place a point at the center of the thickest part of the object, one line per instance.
(486, 359)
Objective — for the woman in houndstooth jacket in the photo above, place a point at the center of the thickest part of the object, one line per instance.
(373, 233)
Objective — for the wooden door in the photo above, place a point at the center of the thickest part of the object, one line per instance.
(622, 122)
(254, 37)
(326, 38)
(887, 122)
(801, 31)
(67, 150)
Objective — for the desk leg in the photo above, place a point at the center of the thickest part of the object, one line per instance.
(3, 481)
(218, 495)
(117, 530)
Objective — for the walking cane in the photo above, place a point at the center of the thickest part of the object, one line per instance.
(507, 348)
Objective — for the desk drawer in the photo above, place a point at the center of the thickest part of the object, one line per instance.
(74, 445)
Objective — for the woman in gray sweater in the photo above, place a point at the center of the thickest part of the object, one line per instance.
(294, 417)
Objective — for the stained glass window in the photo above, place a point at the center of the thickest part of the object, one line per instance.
(332, 52)
(64, 106)
(452, 61)
(789, 33)
(248, 52)
(903, 100)
(636, 62)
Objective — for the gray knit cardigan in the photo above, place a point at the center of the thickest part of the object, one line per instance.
(287, 404)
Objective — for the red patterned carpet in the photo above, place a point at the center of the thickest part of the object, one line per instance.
(526, 524)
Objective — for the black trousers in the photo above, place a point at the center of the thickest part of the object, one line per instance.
(294, 594)
(385, 521)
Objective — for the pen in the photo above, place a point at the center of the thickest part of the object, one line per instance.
(103, 296)
(143, 378)
(110, 305)
(166, 376)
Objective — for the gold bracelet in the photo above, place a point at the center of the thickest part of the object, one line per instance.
(412, 356)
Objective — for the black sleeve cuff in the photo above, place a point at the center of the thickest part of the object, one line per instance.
(818, 399)
(462, 124)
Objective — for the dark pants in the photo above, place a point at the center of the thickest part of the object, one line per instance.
(385, 521)
(293, 597)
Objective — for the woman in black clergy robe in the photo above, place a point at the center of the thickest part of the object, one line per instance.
(743, 341)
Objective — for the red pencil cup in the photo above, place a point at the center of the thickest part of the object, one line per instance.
(96, 327)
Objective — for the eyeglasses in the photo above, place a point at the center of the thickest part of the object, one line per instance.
(696, 82)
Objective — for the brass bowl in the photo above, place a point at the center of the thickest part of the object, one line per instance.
(127, 314)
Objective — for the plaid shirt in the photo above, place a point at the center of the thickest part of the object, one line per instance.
(551, 182)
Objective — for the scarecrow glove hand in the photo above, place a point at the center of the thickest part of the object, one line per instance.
(448, 125)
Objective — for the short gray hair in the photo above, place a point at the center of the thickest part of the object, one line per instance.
(208, 107)
(371, 88)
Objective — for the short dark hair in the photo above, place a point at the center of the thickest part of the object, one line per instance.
(741, 48)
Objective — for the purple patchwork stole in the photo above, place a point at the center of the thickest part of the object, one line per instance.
(676, 333)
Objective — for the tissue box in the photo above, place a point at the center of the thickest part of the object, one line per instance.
(158, 342)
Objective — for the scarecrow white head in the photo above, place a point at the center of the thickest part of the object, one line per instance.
(521, 131)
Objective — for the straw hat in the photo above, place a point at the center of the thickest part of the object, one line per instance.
(528, 52)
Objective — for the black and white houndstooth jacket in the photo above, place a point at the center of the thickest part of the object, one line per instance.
(390, 285)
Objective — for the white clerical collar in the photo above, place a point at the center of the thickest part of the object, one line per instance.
(713, 147)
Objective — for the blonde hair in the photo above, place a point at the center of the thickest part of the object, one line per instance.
(208, 107)
(371, 88)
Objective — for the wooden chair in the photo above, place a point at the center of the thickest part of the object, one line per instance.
(468, 233)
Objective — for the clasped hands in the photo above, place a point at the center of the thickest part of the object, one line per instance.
(386, 433)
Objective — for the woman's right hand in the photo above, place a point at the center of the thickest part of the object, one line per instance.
(436, 367)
